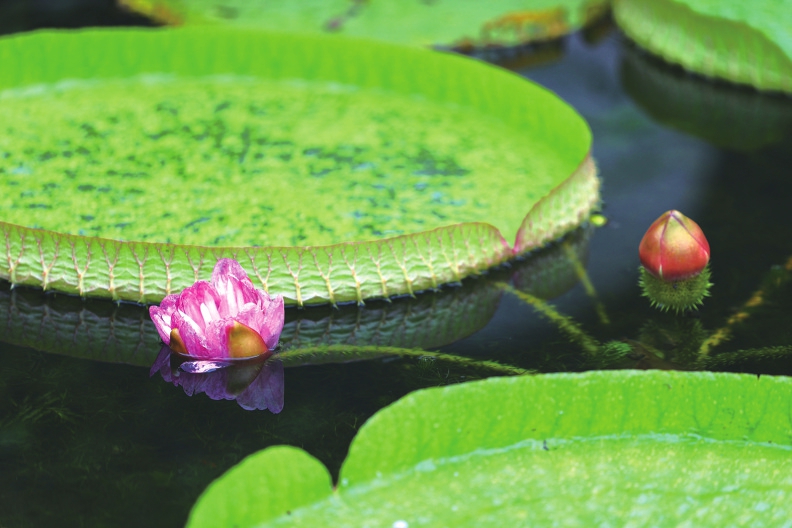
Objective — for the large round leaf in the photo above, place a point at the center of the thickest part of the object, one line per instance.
(742, 42)
(648, 448)
(332, 169)
(456, 23)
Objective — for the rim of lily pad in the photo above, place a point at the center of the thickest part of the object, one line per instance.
(145, 272)
(467, 24)
(662, 448)
(746, 43)
(124, 333)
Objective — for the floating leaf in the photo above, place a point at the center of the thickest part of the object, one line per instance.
(134, 169)
(658, 448)
(124, 333)
(464, 22)
(742, 42)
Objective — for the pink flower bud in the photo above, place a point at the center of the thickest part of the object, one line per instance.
(674, 248)
(225, 318)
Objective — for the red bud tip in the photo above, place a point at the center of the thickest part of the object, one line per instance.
(674, 247)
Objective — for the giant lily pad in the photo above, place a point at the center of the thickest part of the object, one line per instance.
(655, 448)
(445, 23)
(334, 170)
(742, 42)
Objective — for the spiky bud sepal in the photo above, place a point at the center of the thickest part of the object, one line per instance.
(677, 295)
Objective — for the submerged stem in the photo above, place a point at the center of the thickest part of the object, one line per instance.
(352, 353)
(590, 345)
(730, 359)
(588, 286)
(778, 276)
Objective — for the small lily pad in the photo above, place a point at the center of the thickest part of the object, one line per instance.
(464, 22)
(742, 42)
(657, 448)
(331, 170)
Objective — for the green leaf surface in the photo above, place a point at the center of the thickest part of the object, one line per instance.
(650, 448)
(255, 489)
(464, 22)
(742, 42)
(334, 170)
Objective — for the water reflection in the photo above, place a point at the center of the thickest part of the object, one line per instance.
(255, 384)
(729, 116)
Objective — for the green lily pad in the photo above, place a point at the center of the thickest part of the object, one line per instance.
(464, 22)
(124, 333)
(657, 448)
(333, 171)
(742, 42)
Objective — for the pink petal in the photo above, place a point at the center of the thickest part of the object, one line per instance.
(251, 315)
(234, 295)
(169, 303)
(228, 268)
(217, 337)
(233, 286)
(272, 325)
(191, 299)
(162, 321)
(161, 316)
(191, 334)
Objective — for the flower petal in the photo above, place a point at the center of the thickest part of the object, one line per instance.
(192, 335)
(273, 319)
(191, 299)
(226, 268)
(217, 337)
(234, 294)
(161, 316)
(233, 286)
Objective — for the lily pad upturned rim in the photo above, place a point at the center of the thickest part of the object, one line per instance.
(721, 40)
(348, 272)
(433, 427)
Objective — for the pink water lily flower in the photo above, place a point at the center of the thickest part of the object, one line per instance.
(225, 318)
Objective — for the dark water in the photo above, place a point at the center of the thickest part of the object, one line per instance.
(87, 438)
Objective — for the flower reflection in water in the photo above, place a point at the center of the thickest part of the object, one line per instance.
(255, 384)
